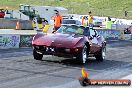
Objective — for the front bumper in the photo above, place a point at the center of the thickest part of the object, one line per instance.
(57, 51)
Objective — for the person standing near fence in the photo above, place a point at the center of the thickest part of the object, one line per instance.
(57, 21)
(109, 23)
(45, 26)
(84, 21)
(90, 19)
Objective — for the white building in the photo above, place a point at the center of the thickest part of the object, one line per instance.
(48, 12)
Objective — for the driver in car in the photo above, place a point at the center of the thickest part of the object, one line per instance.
(94, 35)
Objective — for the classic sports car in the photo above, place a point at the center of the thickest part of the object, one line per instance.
(70, 41)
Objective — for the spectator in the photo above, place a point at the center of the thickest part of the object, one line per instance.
(45, 26)
(44, 22)
(109, 19)
(126, 13)
(57, 21)
(35, 22)
(109, 23)
(84, 21)
(90, 19)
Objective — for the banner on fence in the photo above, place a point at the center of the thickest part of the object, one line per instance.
(9, 41)
(26, 40)
(109, 34)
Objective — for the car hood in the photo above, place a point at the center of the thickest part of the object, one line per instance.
(58, 40)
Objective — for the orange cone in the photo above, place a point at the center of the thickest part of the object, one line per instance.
(17, 25)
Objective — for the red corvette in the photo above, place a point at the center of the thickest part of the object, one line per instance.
(70, 41)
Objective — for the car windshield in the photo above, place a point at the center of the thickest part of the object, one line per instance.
(71, 29)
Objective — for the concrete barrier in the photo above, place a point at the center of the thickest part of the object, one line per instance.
(26, 41)
(15, 41)
(26, 24)
(10, 38)
(126, 36)
(11, 24)
(9, 41)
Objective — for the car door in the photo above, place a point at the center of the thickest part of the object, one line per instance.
(94, 41)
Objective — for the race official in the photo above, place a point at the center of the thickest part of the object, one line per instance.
(57, 21)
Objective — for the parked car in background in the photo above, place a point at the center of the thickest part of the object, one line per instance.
(2, 13)
(70, 41)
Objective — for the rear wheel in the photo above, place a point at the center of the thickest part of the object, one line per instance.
(102, 54)
(37, 56)
(83, 55)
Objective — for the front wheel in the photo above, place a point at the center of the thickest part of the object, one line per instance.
(83, 55)
(37, 56)
(102, 54)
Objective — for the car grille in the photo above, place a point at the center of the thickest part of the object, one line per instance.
(61, 50)
(41, 48)
(51, 49)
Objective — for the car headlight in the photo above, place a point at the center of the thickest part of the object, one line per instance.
(76, 50)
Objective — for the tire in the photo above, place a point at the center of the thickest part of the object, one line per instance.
(102, 54)
(37, 56)
(83, 55)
